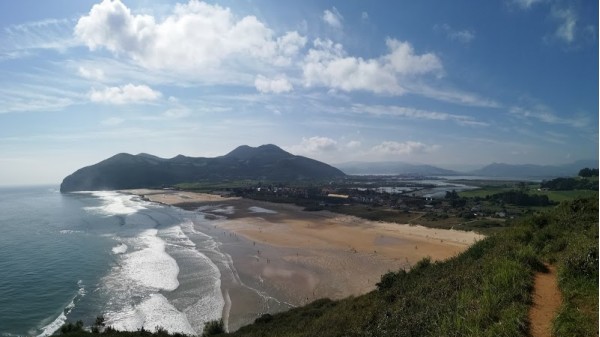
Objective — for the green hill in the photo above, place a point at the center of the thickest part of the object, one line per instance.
(266, 162)
(486, 291)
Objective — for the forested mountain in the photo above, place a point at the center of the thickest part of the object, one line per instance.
(266, 162)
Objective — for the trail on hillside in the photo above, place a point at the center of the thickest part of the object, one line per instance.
(546, 301)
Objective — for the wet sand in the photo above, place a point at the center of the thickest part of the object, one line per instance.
(300, 256)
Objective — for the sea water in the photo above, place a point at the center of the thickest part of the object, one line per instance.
(75, 256)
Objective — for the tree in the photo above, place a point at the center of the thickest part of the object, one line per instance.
(588, 172)
(585, 172)
(451, 195)
(212, 328)
(98, 324)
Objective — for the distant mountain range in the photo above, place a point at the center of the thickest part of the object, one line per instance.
(390, 167)
(533, 171)
(492, 170)
(266, 162)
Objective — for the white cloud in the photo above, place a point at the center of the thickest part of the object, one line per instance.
(91, 73)
(24, 39)
(49, 96)
(277, 85)
(288, 46)
(405, 148)
(464, 36)
(314, 145)
(412, 113)
(333, 18)
(568, 23)
(196, 36)
(404, 61)
(326, 64)
(544, 114)
(353, 144)
(452, 96)
(364, 16)
(128, 93)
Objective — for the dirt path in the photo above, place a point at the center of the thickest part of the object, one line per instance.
(546, 301)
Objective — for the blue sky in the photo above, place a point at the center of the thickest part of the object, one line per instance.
(450, 83)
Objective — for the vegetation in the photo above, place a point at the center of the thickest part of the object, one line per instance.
(520, 198)
(212, 328)
(569, 184)
(588, 172)
(485, 291)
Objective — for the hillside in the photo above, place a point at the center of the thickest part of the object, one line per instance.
(266, 162)
(486, 291)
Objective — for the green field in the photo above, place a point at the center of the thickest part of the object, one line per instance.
(560, 196)
(484, 191)
(557, 196)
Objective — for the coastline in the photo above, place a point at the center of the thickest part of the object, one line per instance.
(299, 256)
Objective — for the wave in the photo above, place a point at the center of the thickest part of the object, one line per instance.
(120, 249)
(151, 266)
(151, 314)
(52, 327)
(69, 231)
(115, 203)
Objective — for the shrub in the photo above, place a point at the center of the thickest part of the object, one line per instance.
(387, 280)
(583, 262)
(70, 327)
(212, 328)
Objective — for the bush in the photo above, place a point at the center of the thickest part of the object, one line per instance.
(387, 280)
(212, 328)
(583, 262)
(70, 327)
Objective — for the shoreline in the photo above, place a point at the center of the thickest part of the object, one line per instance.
(298, 256)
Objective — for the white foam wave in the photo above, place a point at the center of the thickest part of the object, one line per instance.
(114, 203)
(255, 209)
(120, 249)
(69, 231)
(176, 236)
(52, 327)
(151, 266)
(151, 314)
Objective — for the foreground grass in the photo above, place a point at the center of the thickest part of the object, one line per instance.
(486, 291)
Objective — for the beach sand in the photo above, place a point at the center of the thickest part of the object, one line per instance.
(299, 256)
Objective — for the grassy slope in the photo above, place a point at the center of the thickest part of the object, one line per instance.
(485, 291)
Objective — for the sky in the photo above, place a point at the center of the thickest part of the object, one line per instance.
(458, 84)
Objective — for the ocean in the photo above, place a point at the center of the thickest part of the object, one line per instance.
(69, 257)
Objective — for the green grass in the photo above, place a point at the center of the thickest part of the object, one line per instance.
(560, 196)
(484, 191)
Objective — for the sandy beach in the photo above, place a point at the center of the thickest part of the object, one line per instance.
(301, 256)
